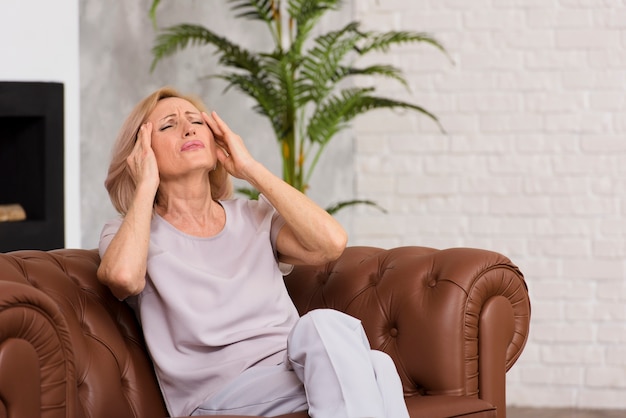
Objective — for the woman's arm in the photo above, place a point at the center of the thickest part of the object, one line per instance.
(123, 265)
(311, 235)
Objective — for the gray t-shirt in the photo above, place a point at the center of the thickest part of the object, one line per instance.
(212, 307)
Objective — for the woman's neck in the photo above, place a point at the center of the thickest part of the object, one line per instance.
(190, 208)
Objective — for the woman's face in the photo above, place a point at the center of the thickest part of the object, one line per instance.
(181, 139)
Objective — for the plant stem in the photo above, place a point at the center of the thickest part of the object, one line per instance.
(301, 151)
(316, 157)
(291, 171)
(277, 17)
(289, 146)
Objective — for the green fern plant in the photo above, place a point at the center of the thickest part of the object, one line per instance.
(295, 84)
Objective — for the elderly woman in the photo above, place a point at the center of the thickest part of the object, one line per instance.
(202, 272)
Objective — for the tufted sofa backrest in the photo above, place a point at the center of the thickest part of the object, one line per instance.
(93, 362)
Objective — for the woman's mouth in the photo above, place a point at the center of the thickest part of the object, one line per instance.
(192, 145)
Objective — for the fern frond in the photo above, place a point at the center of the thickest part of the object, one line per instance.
(345, 203)
(270, 101)
(254, 9)
(306, 13)
(278, 67)
(321, 66)
(249, 192)
(383, 41)
(368, 103)
(176, 38)
(332, 115)
(152, 12)
(387, 71)
(335, 114)
(277, 73)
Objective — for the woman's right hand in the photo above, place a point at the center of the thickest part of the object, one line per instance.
(142, 161)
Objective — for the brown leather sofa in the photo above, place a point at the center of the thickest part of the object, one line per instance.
(454, 321)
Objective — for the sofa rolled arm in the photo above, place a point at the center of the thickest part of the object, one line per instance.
(452, 320)
(36, 360)
(87, 345)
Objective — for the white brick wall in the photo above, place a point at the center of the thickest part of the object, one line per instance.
(533, 166)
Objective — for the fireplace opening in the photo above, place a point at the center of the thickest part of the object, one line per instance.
(31, 166)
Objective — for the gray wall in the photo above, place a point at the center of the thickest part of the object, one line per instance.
(115, 58)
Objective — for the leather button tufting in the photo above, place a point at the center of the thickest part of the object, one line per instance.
(432, 283)
(393, 332)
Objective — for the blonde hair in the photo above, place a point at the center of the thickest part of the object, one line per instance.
(119, 182)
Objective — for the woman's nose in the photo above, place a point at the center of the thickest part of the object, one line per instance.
(190, 129)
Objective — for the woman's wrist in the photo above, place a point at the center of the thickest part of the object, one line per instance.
(256, 174)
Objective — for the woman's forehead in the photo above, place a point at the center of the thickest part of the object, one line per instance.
(172, 105)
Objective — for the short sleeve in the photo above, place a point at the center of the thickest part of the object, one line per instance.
(106, 235)
(277, 223)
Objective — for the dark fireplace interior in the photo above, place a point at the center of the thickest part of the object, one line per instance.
(31, 165)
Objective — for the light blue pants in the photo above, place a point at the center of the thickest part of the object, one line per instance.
(329, 369)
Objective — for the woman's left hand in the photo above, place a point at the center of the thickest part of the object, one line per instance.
(311, 235)
(231, 151)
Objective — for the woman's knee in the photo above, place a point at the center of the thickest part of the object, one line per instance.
(329, 326)
(328, 317)
(384, 367)
(322, 313)
(381, 359)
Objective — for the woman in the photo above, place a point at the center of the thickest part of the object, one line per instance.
(202, 272)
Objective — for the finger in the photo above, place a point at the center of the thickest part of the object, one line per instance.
(220, 123)
(147, 134)
(222, 155)
(140, 143)
(212, 124)
(229, 139)
(218, 135)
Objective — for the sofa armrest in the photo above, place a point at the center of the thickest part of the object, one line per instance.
(82, 348)
(36, 359)
(453, 320)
